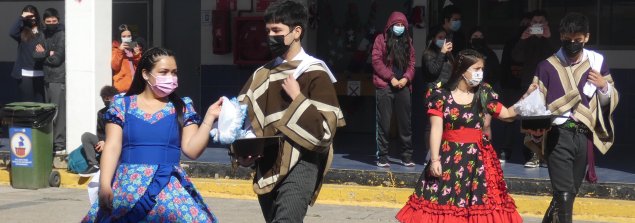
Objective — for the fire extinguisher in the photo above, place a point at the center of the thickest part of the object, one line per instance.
(221, 31)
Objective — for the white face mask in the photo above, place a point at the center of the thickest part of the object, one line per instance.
(126, 39)
(477, 77)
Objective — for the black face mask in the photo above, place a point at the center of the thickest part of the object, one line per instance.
(277, 46)
(478, 43)
(51, 28)
(572, 48)
(107, 104)
(28, 22)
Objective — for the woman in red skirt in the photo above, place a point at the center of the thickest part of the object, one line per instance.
(463, 181)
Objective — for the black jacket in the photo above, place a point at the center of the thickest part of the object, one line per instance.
(54, 65)
(436, 67)
(101, 124)
(532, 51)
(24, 59)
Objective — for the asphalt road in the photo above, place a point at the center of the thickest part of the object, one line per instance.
(70, 205)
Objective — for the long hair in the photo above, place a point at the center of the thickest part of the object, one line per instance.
(432, 38)
(465, 59)
(398, 49)
(122, 28)
(147, 62)
(27, 32)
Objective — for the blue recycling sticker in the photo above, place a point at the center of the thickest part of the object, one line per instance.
(21, 147)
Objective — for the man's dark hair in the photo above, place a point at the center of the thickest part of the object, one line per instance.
(574, 23)
(51, 12)
(287, 12)
(537, 13)
(108, 91)
(450, 10)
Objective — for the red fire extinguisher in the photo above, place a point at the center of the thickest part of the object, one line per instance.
(221, 31)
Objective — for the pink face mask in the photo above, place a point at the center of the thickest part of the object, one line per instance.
(164, 85)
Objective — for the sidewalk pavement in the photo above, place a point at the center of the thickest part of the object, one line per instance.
(385, 198)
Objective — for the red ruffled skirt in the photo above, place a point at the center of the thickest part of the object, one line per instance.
(497, 205)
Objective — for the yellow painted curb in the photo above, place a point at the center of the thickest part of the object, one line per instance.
(588, 209)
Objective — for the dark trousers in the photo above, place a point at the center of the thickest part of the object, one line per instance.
(56, 94)
(290, 200)
(566, 153)
(31, 89)
(387, 100)
(509, 133)
(89, 141)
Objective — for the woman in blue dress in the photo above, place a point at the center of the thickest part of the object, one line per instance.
(147, 129)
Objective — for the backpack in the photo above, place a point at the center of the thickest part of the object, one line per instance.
(77, 161)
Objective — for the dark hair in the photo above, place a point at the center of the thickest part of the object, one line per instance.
(464, 60)
(398, 49)
(141, 42)
(148, 59)
(108, 91)
(51, 12)
(476, 29)
(122, 28)
(27, 34)
(574, 23)
(450, 10)
(432, 35)
(289, 13)
(537, 13)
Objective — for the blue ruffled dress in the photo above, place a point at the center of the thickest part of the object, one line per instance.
(149, 185)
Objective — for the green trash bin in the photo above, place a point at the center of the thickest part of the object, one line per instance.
(31, 141)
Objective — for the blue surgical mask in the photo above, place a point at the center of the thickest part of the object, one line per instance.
(440, 42)
(398, 30)
(455, 25)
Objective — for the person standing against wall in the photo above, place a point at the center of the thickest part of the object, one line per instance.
(51, 52)
(534, 46)
(27, 72)
(511, 92)
(436, 67)
(394, 64)
(125, 57)
(452, 26)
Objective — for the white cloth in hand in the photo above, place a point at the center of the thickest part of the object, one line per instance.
(230, 122)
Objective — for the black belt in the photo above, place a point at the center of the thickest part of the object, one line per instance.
(574, 126)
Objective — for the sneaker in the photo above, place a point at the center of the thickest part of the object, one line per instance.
(383, 162)
(533, 162)
(92, 170)
(408, 162)
(60, 152)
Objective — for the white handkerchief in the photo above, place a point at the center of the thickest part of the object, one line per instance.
(596, 60)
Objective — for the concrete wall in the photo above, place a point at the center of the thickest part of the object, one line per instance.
(9, 12)
(209, 58)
